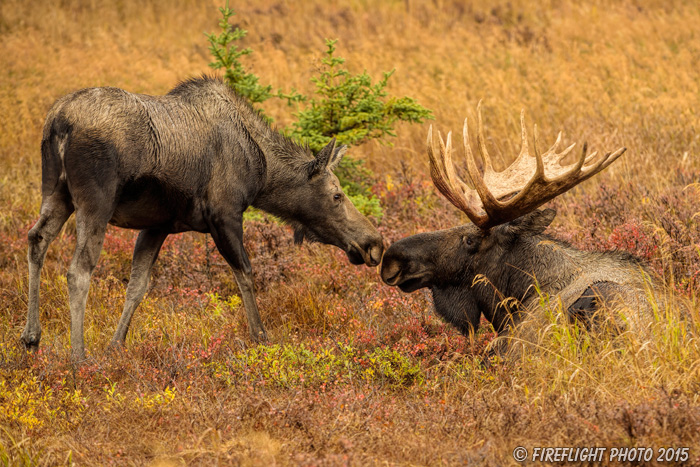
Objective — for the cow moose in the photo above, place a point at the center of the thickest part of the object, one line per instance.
(191, 160)
(496, 265)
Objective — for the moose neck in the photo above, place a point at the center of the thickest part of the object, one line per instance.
(516, 269)
(535, 262)
(284, 176)
(550, 263)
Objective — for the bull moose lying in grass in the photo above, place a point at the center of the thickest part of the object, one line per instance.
(193, 159)
(505, 245)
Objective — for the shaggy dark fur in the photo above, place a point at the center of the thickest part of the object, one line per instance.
(497, 272)
(193, 159)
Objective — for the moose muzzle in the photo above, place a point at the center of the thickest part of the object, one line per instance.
(368, 252)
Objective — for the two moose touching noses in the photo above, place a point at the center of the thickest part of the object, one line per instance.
(197, 157)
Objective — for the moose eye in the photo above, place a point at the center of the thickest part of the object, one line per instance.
(337, 196)
(468, 240)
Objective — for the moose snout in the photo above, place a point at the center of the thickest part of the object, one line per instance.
(369, 252)
(390, 272)
(395, 264)
(375, 254)
(403, 269)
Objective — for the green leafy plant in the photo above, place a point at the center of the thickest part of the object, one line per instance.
(350, 107)
(227, 54)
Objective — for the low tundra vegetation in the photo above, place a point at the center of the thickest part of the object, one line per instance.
(357, 373)
(353, 367)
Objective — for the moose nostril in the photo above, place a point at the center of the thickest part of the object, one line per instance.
(375, 254)
(393, 280)
(390, 274)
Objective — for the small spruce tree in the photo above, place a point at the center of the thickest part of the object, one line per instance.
(352, 109)
(345, 106)
(227, 54)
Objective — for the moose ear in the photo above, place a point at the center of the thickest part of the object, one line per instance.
(323, 157)
(533, 223)
(338, 154)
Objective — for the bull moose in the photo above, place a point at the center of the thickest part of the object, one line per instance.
(495, 265)
(191, 160)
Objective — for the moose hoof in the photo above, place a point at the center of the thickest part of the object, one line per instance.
(78, 358)
(116, 347)
(30, 340)
(260, 337)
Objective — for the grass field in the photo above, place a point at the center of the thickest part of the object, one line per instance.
(358, 373)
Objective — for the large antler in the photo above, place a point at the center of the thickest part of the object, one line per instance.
(529, 182)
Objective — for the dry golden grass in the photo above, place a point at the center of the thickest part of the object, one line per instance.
(192, 390)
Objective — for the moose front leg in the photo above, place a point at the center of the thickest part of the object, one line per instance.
(228, 237)
(145, 254)
(504, 319)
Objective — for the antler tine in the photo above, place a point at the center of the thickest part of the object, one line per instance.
(539, 171)
(443, 174)
(434, 166)
(567, 171)
(437, 168)
(467, 148)
(594, 158)
(595, 162)
(524, 147)
(565, 152)
(583, 175)
(553, 149)
(582, 160)
(446, 148)
(605, 161)
(488, 201)
(560, 157)
(455, 182)
(481, 141)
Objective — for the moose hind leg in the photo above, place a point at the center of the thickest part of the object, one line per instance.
(594, 301)
(90, 236)
(145, 254)
(229, 241)
(55, 210)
